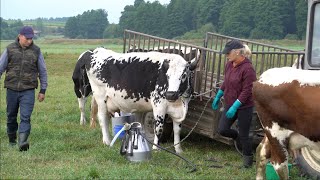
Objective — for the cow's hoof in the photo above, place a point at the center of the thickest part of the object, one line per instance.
(260, 178)
(106, 142)
(179, 151)
(83, 121)
(155, 148)
(92, 123)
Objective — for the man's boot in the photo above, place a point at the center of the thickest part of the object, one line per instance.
(247, 161)
(12, 139)
(23, 143)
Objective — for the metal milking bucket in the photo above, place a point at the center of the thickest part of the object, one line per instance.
(134, 146)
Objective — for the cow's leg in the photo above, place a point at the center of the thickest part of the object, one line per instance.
(158, 129)
(82, 104)
(279, 153)
(262, 155)
(297, 141)
(176, 136)
(155, 141)
(103, 119)
(94, 112)
(282, 170)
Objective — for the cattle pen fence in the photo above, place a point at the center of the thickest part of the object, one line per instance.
(209, 73)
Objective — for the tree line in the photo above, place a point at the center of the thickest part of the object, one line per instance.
(254, 19)
(250, 19)
(10, 28)
(9, 31)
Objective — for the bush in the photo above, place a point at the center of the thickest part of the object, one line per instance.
(199, 33)
(256, 34)
(291, 37)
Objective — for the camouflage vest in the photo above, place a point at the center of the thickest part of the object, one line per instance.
(22, 70)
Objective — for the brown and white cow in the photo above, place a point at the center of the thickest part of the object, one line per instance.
(288, 104)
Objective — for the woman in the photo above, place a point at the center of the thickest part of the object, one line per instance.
(237, 91)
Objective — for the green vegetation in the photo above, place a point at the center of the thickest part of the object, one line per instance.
(258, 19)
(9, 31)
(62, 149)
(89, 25)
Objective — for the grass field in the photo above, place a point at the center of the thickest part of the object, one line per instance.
(62, 149)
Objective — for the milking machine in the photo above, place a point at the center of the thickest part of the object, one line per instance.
(135, 146)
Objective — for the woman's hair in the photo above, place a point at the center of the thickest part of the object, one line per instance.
(245, 51)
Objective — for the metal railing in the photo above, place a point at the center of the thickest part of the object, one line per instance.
(218, 41)
(210, 71)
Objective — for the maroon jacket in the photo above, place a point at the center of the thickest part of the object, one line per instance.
(237, 83)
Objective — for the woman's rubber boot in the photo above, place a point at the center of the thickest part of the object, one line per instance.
(23, 142)
(247, 161)
(12, 139)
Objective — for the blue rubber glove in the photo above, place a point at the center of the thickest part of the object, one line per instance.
(233, 109)
(215, 103)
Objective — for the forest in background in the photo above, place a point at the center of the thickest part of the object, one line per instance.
(186, 19)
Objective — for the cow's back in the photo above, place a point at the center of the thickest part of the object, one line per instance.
(134, 77)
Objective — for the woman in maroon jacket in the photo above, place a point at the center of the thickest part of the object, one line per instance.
(237, 91)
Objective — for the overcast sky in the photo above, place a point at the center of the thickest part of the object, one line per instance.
(32, 9)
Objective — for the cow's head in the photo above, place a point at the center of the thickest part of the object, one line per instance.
(179, 77)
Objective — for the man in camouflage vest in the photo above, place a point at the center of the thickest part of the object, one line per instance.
(24, 64)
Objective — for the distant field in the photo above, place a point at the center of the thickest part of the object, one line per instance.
(45, 23)
(72, 46)
(290, 44)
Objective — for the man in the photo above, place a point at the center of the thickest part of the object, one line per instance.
(23, 63)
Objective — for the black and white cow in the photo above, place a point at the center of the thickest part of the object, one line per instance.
(82, 86)
(82, 89)
(299, 62)
(139, 82)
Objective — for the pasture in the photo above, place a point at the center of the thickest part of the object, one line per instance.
(62, 149)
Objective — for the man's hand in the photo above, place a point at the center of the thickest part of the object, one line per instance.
(41, 97)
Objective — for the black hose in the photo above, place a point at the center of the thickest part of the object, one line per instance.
(194, 168)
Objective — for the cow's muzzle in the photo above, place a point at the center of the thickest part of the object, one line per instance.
(172, 95)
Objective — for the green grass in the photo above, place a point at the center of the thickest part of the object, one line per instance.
(71, 46)
(62, 149)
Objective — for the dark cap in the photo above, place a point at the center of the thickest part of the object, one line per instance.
(233, 44)
(27, 31)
